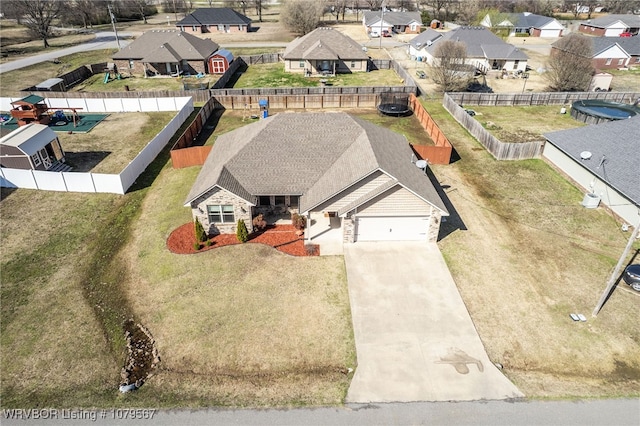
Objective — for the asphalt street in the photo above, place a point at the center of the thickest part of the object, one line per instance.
(103, 40)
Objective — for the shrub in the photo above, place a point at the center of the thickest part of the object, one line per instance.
(299, 222)
(241, 231)
(196, 246)
(259, 223)
(201, 235)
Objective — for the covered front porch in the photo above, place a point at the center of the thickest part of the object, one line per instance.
(321, 67)
(325, 229)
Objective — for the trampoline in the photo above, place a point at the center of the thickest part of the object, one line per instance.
(594, 111)
(395, 105)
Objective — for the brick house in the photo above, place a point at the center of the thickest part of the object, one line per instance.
(611, 25)
(606, 52)
(352, 180)
(215, 19)
(393, 22)
(165, 52)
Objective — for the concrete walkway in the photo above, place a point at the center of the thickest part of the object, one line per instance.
(415, 340)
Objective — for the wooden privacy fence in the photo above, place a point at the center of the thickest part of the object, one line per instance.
(547, 98)
(441, 152)
(183, 154)
(500, 150)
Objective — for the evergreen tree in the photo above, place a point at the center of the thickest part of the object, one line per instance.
(241, 231)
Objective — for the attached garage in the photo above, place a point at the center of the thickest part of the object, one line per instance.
(399, 228)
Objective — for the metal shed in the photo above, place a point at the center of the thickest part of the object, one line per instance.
(34, 146)
(52, 85)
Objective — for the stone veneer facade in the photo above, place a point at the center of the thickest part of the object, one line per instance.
(241, 210)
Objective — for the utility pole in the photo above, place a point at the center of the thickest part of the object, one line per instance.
(113, 23)
(616, 271)
(381, 22)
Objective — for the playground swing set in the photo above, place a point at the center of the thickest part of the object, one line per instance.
(32, 109)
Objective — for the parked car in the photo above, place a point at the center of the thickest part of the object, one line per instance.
(626, 34)
(631, 276)
(421, 74)
(386, 33)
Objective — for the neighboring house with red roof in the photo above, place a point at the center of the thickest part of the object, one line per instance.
(611, 25)
(165, 52)
(324, 51)
(215, 19)
(353, 180)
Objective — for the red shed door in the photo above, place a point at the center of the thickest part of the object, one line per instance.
(217, 66)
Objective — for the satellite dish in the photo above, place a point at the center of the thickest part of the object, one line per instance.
(421, 164)
(585, 155)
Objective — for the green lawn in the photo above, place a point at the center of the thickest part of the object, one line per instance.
(273, 75)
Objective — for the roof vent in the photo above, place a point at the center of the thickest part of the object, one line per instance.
(585, 155)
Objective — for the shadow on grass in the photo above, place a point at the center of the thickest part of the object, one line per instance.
(453, 222)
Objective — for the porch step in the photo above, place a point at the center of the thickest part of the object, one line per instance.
(59, 167)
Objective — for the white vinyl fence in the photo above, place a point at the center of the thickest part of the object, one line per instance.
(99, 182)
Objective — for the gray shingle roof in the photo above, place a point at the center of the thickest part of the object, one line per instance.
(632, 21)
(425, 38)
(617, 141)
(214, 16)
(529, 20)
(315, 155)
(631, 45)
(336, 44)
(167, 46)
(394, 18)
(481, 43)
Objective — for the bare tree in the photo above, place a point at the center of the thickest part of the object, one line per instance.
(260, 6)
(620, 6)
(374, 4)
(301, 16)
(570, 67)
(38, 16)
(10, 9)
(140, 8)
(449, 69)
(438, 6)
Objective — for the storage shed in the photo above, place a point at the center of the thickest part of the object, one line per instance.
(52, 85)
(33, 146)
(219, 62)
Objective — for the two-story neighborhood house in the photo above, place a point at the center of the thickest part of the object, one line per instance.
(611, 25)
(324, 51)
(485, 50)
(377, 23)
(215, 19)
(527, 23)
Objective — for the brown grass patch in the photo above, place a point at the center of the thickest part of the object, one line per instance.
(530, 255)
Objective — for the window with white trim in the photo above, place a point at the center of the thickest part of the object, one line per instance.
(221, 213)
(36, 159)
(131, 64)
(620, 61)
(301, 64)
(608, 62)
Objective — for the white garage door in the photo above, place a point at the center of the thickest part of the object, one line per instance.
(392, 228)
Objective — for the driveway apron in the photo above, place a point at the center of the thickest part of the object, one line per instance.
(415, 340)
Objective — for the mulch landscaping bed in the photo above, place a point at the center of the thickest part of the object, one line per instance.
(280, 237)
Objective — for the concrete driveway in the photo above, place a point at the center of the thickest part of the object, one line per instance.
(415, 340)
